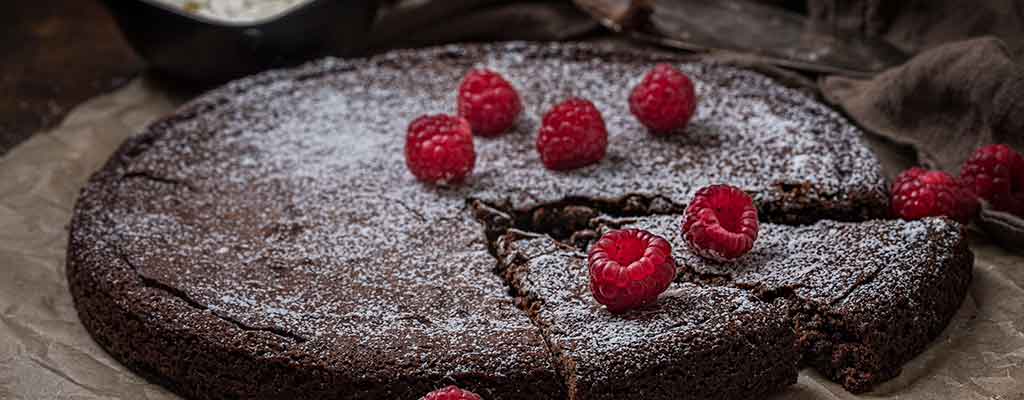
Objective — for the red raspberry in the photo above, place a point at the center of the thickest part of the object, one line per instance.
(489, 102)
(439, 149)
(630, 268)
(996, 174)
(720, 223)
(919, 193)
(451, 393)
(572, 135)
(665, 100)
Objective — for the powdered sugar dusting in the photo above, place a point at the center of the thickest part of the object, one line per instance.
(282, 201)
(862, 297)
(334, 274)
(747, 131)
(603, 350)
(829, 261)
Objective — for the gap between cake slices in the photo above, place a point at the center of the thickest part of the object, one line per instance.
(696, 342)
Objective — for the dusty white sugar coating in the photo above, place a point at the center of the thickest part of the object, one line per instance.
(321, 148)
(337, 275)
(689, 327)
(829, 262)
(862, 297)
(282, 202)
(748, 131)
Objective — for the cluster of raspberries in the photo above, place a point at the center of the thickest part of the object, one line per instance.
(439, 148)
(630, 268)
(993, 174)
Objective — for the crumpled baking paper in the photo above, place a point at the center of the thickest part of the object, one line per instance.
(46, 353)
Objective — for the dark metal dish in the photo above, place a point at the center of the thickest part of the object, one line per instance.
(206, 50)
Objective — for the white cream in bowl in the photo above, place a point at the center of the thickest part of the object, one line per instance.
(236, 10)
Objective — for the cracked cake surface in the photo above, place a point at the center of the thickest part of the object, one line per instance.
(267, 240)
(263, 297)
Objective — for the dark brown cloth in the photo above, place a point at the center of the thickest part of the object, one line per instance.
(917, 25)
(965, 89)
(945, 102)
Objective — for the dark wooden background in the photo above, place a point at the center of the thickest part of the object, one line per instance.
(55, 54)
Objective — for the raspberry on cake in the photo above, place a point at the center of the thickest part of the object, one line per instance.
(665, 100)
(488, 102)
(451, 393)
(630, 268)
(439, 149)
(862, 297)
(572, 135)
(695, 342)
(919, 193)
(996, 173)
(720, 223)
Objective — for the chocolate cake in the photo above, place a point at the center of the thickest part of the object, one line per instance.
(864, 297)
(694, 343)
(267, 241)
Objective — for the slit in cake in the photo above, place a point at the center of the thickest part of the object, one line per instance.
(695, 342)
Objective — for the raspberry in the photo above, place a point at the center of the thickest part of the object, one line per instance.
(664, 101)
(572, 135)
(439, 149)
(451, 393)
(996, 173)
(919, 193)
(720, 223)
(489, 102)
(630, 268)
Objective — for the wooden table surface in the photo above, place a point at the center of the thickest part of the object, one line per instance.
(56, 54)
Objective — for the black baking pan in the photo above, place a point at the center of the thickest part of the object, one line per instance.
(205, 50)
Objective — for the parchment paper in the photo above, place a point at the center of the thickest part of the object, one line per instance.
(46, 353)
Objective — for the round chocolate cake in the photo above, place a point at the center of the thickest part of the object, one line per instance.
(267, 241)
